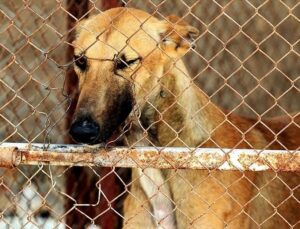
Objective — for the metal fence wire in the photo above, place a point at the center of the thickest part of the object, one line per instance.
(212, 139)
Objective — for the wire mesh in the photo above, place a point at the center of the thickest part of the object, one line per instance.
(245, 61)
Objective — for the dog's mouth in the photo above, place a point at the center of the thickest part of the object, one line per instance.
(115, 137)
(86, 131)
(90, 129)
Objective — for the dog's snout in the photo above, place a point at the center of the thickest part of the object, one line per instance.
(85, 131)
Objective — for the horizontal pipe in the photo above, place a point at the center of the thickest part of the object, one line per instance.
(145, 157)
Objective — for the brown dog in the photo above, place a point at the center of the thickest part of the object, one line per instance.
(130, 73)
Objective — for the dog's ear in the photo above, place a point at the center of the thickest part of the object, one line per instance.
(176, 36)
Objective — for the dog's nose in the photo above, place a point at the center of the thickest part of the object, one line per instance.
(85, 131)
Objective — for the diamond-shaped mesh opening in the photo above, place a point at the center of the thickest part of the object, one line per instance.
(291, 34)
(223, 69)
(275, 77)
(205, 39)
(296, 11)
(216, 80)
(243, 82)
(201, 11)
(288, 61)
(258, 28)
(13, 39)
(259, 65)
(191, 120)
(217, 27)
(242, 52)
(274, 17)
(282, 49)
(240, 11)
(284, 97)
(261, 93)
(29, 58)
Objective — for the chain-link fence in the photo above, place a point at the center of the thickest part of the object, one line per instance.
(229, 109)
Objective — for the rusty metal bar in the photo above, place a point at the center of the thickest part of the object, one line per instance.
(162, 158)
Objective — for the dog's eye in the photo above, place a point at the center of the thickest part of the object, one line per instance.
(121, 63)
(81, 62)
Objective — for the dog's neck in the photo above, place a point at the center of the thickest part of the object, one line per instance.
(175, 110)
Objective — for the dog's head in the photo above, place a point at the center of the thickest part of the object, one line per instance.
(119, 56)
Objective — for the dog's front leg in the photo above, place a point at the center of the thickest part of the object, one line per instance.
(158, 192)
(153, 187)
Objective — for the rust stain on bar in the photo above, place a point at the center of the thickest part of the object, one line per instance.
(9, 157)
(145, 157)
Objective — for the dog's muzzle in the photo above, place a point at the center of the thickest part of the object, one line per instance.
(85, 130)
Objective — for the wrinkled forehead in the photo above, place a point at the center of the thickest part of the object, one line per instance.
(102, 36)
